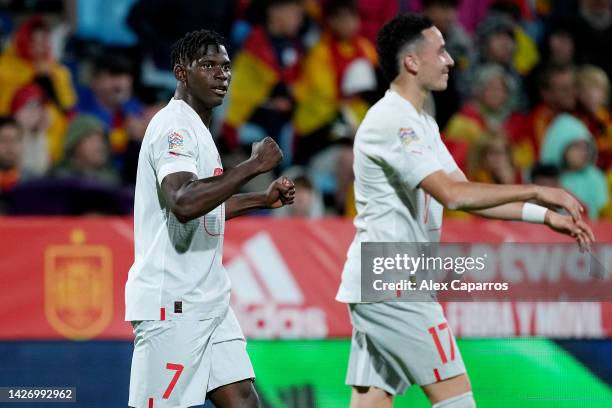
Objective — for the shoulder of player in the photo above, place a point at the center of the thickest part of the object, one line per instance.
(431, 121)
(167, 121)
(384, 119)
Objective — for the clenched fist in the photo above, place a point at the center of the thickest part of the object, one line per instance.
(280, 193)
(266, 154)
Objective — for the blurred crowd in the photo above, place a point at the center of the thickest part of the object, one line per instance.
(527, 102)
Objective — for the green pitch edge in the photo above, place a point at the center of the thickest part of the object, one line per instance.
(505, 373)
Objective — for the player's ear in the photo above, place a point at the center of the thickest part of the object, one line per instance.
(411, 63)
(180, 73)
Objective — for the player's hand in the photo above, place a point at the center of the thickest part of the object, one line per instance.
(560, 198)
(267, 154)
(280, 193)
(578, 230)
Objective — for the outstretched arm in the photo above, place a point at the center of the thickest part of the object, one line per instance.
(190, 198)
(563, 224)
(510, 211)
(457, 193)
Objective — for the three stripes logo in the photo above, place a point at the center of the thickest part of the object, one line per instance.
(266, 297)
(260, 274)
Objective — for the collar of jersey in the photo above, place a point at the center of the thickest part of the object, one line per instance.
(405, 102)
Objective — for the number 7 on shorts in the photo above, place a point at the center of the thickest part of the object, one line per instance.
(179, 369)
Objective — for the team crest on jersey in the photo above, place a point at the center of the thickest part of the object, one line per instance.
(407, 135)
(175, 141)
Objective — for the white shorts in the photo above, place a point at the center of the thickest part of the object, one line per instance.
(397, 344)
(177, 362)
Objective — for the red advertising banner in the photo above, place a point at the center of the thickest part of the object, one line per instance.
(64, 278)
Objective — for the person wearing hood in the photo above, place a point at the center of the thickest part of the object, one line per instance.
(28, 60)
(86, 152)
(593, 94)
(31, 112)
(569, 145)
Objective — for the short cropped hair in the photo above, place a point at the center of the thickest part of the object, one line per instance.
(394, 36)
(8, 121)
(549, 71)
(334, 7)
(188, 48)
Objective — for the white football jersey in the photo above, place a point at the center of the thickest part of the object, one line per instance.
(395, 148)
(177, 271)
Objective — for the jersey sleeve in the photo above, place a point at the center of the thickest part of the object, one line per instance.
(174, 151)
(446, 159)
(448, 162)
(401, 151)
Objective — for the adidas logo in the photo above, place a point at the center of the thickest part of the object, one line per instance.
(267, 299)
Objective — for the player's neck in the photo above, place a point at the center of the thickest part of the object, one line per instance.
(204, 112)
(410, 91)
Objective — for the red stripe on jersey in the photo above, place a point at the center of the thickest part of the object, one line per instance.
(150, 402)
(426, 210)
(436, 339)
(443, 326)
(162, 313)
(437, 375)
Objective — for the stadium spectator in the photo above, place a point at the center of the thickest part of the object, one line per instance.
(569, 145)
(11, 172)
(28, 60)
(153, 100)
(490, 161)
(496, 41)
(443, 13)
(375, 13)
(526, 55)
(336, 73)
(594, 33)
(86, 153)
(489, 110)
(593, 89)
(149, 20)
(470, 12)
(558, 48)
(545, 175)
(31, 112)
(110, 98)
(559, 45)
(261, 100)
(557, 88)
